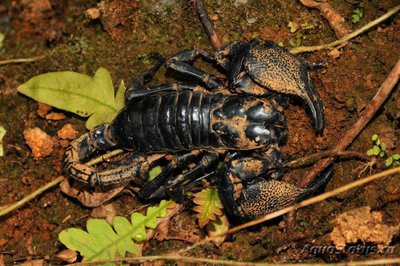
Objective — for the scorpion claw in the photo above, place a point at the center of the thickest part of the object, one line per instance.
(313, 100)
(257, 197)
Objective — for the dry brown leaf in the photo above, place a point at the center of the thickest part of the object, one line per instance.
(161, 231)
(105, 211)
(55, 116)
(87, 197)
(68, 255)
(215, 228)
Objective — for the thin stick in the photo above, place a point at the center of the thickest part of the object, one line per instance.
(192, 260)
(303, 49)
(301, 204)
(9, 208)
(207, 24)
(22, 60)
(307, 160)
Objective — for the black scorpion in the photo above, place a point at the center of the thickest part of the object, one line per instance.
(205, 124)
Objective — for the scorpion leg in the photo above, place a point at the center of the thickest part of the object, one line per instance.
(82, 148)
(246, 195)
(179, 160)
(138, 83)
(176, 188)
(180, 62)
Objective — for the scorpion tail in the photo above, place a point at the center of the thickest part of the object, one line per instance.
(81, 149)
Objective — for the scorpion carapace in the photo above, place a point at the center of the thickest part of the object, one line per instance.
(197, 119)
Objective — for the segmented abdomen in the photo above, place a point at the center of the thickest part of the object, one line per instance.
(167, 122)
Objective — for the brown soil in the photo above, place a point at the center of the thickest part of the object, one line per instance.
(120, 40)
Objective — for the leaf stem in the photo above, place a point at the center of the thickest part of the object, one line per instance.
(21, 60)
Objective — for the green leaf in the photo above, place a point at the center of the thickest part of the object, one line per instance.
(140, 233)
(378, 142)
(77, 239)
(152, 223)
(154, 172)
(77, 93)
(370, 152)
(293, 26)
(122, 226)
(383, 146)
(396, 156)
(381, 154)
(2, 134)
(357, 15)
(2, 37)
(102, 242)
(376, 150)
(209, 205)
(396, 163)
(374, 137)
(389, 161)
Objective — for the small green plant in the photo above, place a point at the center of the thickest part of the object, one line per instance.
(307, 26)
(293, 26)
(145, 58)
(357, 15)
(209, 206)
(379, 147)
(393, 160)
(102, 241)
(297, 42)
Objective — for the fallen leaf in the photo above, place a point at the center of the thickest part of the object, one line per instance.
(216, 228)
(105, 211)
(78, 93)
(68, 255)
(55, 116)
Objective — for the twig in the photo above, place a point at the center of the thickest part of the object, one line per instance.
(301, 204)
(336, 21)
(191, 260)
(9, 208)
(307, 160)
(22, 60)
(303, 49)
(207, 24)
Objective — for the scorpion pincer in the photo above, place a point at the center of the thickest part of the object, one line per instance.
(197, 125)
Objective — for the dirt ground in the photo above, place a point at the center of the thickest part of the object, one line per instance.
(121, 39)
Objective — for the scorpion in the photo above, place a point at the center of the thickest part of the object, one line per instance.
(238, 121)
